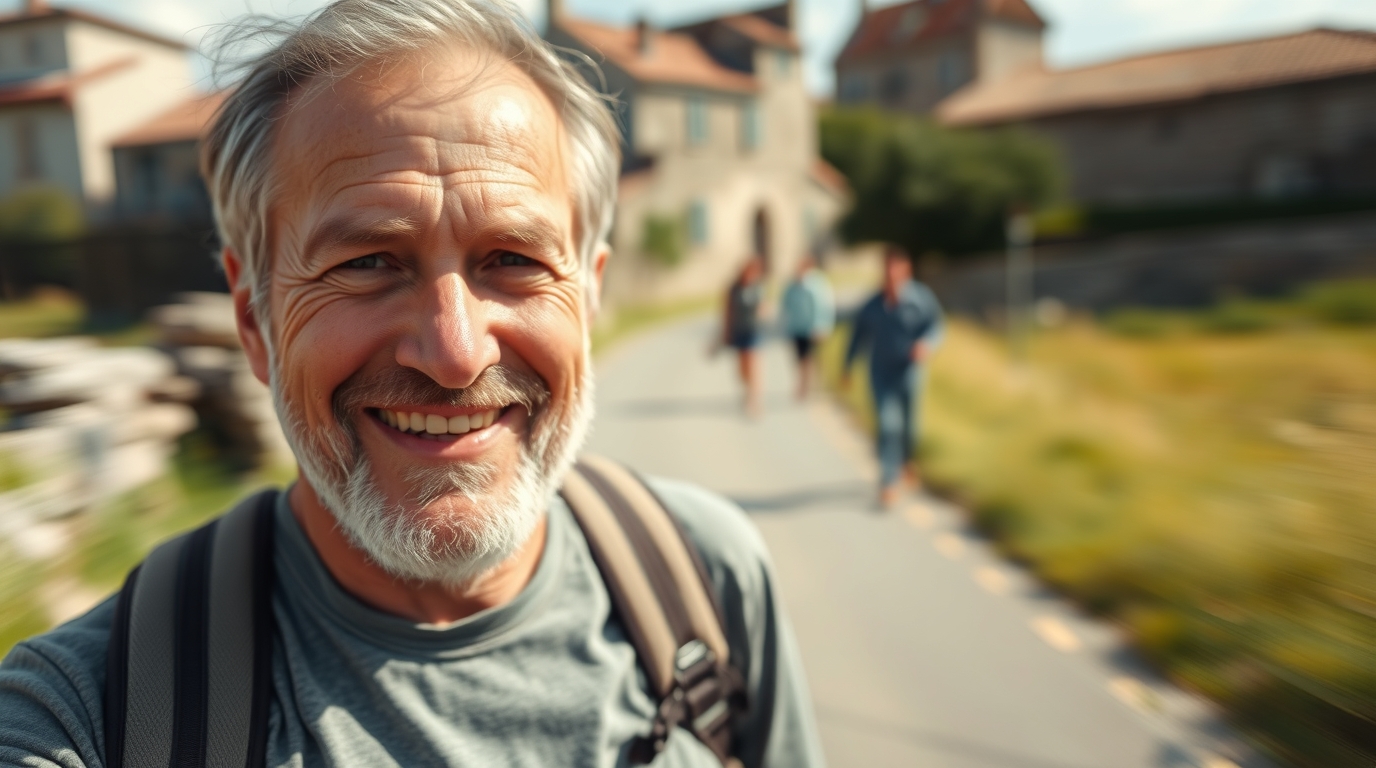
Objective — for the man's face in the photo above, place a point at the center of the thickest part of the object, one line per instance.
(898, 269)
(424, 274)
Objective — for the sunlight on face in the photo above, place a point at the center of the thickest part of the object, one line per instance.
(427, 309)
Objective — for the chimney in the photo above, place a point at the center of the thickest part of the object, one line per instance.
(35, 7)
(643, 36)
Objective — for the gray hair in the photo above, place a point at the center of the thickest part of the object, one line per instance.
(336, 41)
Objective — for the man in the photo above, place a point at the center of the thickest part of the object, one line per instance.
(899, 327)
(809, 310)
(415, 197)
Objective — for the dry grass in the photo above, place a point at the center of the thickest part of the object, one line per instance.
(1213, 490)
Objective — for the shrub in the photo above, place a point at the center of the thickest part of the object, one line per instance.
(40, 214)
(1347, 302)
(1237, 317)
(662, 239)
(1139, 323)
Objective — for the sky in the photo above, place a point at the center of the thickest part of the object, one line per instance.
(1081, 31)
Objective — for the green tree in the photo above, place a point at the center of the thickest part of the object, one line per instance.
(930, 188)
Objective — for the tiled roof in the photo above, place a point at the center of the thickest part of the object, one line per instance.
(1165, 77)
(899, 26)
(91, 18)
(761, 31)
(672, 57)
(187, 121)
(58, 86)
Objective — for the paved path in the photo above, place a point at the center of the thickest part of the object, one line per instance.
(922, 648)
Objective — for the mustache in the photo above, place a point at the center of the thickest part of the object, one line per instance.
(496, 387)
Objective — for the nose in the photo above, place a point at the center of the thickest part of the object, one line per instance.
(449, 339)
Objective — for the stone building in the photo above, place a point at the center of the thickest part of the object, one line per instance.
(1287, 116)
(70, 83)
(720, 145)
(911, 56)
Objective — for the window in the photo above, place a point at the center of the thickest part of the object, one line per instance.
(1167, 128)
(697, 121)
(855, 88)
(33, 50)
(750, 126)
(26, 149)
(950, 71)
(895, 85)
(783, 64)
(697, 223)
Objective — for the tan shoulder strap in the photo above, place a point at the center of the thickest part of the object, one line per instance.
(665, 601)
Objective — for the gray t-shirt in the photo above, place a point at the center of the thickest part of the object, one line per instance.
(548, 679)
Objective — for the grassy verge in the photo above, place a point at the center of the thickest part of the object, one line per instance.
(1206, 480)
(98, 548)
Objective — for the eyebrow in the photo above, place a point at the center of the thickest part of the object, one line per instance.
(535, 232)
(343, 232)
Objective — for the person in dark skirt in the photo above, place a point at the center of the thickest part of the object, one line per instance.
(741, 328)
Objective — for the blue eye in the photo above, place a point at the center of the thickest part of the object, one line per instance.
(509, 259)
(371, 261)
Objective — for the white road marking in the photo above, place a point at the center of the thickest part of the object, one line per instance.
(1056, 634)
(1134, 693)
(950, 545)
(920, 515)
(994, 581)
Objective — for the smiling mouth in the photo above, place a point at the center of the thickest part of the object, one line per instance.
(431, 426)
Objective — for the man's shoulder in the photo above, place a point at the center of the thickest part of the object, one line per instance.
(52, 689)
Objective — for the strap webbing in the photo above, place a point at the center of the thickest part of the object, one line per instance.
(189, 624)
(689, 590)
(629, 587)
(659, 588)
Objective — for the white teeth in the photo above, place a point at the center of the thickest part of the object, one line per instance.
(432, 424)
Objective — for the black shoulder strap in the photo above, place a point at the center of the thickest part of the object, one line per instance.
(188, 622)
(665, 600)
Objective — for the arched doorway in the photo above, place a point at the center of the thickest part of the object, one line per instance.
(760, 239)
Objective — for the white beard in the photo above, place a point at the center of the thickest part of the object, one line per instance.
(452, 549)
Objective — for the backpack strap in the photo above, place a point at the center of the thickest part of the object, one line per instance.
(666, 602)
(188, 622)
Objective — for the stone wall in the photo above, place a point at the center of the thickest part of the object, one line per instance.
(1182, 268)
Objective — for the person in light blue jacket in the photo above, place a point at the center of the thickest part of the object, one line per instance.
(809, 316)
(899, 328)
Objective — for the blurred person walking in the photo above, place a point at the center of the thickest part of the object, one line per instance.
(899, 327)
(809, 310)
(741, 327)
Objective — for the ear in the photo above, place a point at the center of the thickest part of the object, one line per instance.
(599, 266)
(250, 332)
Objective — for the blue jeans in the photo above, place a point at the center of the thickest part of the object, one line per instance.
(897, 410)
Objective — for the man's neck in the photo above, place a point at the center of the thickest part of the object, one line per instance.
(428, 603)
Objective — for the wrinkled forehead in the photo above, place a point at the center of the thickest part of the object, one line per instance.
(446, 116)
